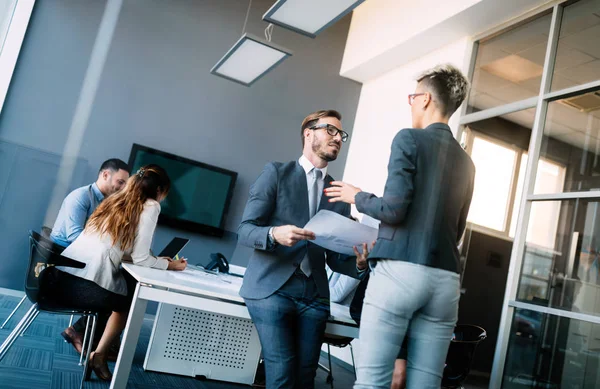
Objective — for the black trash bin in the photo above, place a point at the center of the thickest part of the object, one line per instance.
(460, 354)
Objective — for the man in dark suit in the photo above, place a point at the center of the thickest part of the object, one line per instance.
(414, 285)
(285, 285)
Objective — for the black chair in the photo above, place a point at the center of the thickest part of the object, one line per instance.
(46, 231)
(336, 341)
(460, 355)
(43, 254)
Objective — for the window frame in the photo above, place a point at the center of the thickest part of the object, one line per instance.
(13, 41)
(540, 103)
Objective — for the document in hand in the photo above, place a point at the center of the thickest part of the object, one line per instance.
(338, 233)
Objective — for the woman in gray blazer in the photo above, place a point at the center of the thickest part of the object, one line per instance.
(414, 286)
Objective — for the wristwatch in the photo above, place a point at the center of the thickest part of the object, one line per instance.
(272, 240)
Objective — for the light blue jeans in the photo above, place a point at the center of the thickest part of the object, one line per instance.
(403, 297)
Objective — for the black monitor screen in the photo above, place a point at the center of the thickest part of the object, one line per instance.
(200, 194)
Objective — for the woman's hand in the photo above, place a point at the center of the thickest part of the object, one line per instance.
(179, 265)
(340, 191)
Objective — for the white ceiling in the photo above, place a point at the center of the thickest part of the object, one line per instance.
(388, 34)
(577, 62)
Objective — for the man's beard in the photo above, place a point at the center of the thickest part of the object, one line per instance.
(317, 149)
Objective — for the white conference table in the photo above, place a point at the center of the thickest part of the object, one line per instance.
(194, 289)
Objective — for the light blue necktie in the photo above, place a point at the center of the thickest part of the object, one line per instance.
(313, 205)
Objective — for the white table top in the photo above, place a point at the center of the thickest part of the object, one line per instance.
(222, 286)
(190, 281)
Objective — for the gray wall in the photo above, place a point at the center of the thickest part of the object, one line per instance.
(156, 90)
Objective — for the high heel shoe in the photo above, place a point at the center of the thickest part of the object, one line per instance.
(99, 366)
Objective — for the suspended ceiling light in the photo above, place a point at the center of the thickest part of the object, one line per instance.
(309, 17)
(251, 57)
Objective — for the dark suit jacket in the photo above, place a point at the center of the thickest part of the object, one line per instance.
(280, 197)
(427, 195)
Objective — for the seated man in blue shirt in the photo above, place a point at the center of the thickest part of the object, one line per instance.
(341, 287)
(74, 212)
(82, 202)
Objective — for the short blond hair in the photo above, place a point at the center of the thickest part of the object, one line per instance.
(314, 117)
(448, 86)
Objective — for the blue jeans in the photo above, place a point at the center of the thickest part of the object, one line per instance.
(403, 297)
(291, 325)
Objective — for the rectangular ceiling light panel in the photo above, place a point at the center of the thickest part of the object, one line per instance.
(249, 59)
(309, 17)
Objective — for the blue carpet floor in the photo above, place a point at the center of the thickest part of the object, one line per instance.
(41, 359)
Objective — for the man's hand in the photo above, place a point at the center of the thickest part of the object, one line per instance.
(290, 235)
(361, 258)
(340, 191)
(177, 265)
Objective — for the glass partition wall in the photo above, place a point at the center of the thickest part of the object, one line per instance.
(532, 127)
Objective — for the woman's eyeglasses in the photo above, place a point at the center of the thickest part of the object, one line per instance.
(411, 97)
(331, 130)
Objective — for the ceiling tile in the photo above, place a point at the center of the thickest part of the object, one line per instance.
(569, 116)
(577, 139)
(535, 54)
(568, 57)
(483, 101)
(489, 53)
(553, 129)
(579, 16)
(524, 118)
(514, 68)
(559, 81)
(485, 82)
(586, 72)
(524, 37)
(586, 41)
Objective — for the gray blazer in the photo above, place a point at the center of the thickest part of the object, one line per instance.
(426, 200)
(280, 197)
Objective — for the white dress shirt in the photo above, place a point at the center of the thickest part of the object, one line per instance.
(310, 177)
(103, 258)
(308, 169)
(341, 287)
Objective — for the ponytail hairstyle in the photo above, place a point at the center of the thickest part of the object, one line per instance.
(119, 215)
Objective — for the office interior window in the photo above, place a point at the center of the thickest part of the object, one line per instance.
(547, 351)
(550, 179)
(7, 8)
(495, 167)
(499, 187)
(559, 264)
(578, 52)
(509, 65)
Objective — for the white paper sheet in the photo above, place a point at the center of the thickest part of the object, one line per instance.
(369, 221)
(198, 276)
(338, 233)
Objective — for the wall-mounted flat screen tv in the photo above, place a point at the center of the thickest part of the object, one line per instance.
(200, 193)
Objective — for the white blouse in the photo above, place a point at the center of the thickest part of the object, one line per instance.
(103, 259)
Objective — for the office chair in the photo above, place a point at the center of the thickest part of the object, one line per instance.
(46, 231)
(460, 354)
(336, 341)
(42, 256)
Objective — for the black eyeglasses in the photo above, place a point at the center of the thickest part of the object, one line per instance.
(331, 130)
